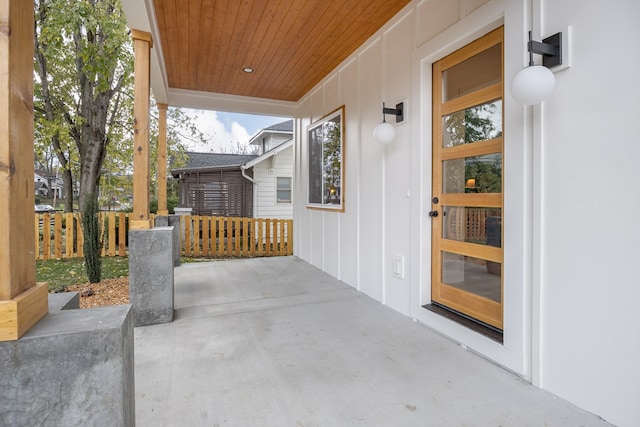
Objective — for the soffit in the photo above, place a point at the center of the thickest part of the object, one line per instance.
(290, 44)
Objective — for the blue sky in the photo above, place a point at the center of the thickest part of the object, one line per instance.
(228, 131)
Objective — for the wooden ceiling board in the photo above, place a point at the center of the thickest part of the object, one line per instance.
(239, 43)
(255, 56)
(338, 49)
(206, 31)
(251, 41)
(293, 47)
(290, 44)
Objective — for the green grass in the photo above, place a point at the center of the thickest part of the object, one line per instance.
(65, 272)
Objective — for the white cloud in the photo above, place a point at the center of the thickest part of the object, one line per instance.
(220, 138)
(239, 133)
(227, 132)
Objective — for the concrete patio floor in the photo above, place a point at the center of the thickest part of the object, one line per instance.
(276, 342)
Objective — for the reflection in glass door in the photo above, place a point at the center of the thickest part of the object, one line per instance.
(467, 255)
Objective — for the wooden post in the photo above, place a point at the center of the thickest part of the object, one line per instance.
(23, 302)
(162, 159)
(142, 44)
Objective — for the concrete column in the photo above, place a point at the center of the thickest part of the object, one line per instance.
(142, 44)
(22, 302)
(162, 159)
(75, 367)
(151, 275)
(172, 221)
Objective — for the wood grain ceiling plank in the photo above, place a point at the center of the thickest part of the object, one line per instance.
(279, 39)
(194, 8)
(263, 27)
(213, 46)
(368, 18)
(341, 42)
(223, 13)
(166, 28)
(303, 70)
(205, 52)
(291, 44)
(241, 28)
(313, 21)
(182, 24)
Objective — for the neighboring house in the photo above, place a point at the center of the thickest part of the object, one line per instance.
(242, 185)
(213, 184)
(273, 171)
(272, 136)
(273, 182)
(42, 183)
(41, 188)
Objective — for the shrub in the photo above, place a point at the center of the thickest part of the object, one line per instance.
(92, 239)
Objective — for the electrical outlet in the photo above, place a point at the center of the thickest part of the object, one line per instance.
(397, 266)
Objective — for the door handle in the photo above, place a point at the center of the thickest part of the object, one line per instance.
(433, 214)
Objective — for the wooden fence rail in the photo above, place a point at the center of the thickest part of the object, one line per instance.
(207, 236)
(201, 236)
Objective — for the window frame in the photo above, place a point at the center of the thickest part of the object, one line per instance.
(290, 190)
(337, 202)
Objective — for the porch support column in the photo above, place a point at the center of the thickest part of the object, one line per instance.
(162, 159)
(22, 302)
(142, 44)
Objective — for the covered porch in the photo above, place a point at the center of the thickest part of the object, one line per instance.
(278, 342)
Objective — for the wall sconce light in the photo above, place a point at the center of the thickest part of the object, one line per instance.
(535, 83)
(385, 132)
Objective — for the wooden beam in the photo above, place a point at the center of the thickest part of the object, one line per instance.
(22, 302)
(143, 36)
(162, 159)
(19, 314)
(142, 51)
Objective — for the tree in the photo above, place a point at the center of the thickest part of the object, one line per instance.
(84, 99)
(84, 77)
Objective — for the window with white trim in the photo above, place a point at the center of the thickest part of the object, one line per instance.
(283, 189)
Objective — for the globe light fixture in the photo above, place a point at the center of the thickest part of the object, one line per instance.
(385, 132)
(535, 83)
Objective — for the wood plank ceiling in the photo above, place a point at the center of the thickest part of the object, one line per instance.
(290, 44)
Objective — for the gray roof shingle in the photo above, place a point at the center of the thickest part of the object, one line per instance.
(281, 127)
(210, 160)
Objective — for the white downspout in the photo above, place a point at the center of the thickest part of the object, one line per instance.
(243, 169)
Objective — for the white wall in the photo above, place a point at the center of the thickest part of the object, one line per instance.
(571, 240)
(589, 209)
(374, 195)
(273, 140)
(266, 205)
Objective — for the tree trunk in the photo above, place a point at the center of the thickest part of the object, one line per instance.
(67, 180)
(91, 163)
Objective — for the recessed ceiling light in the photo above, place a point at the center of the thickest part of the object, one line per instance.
(247, 70)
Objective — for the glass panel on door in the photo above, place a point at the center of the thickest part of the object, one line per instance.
(473, 73)
(477, 174)
(474, 124)
(473, 275)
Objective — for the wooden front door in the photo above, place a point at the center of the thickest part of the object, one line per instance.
(467, 254)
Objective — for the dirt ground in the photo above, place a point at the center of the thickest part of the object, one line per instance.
(107, 292)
